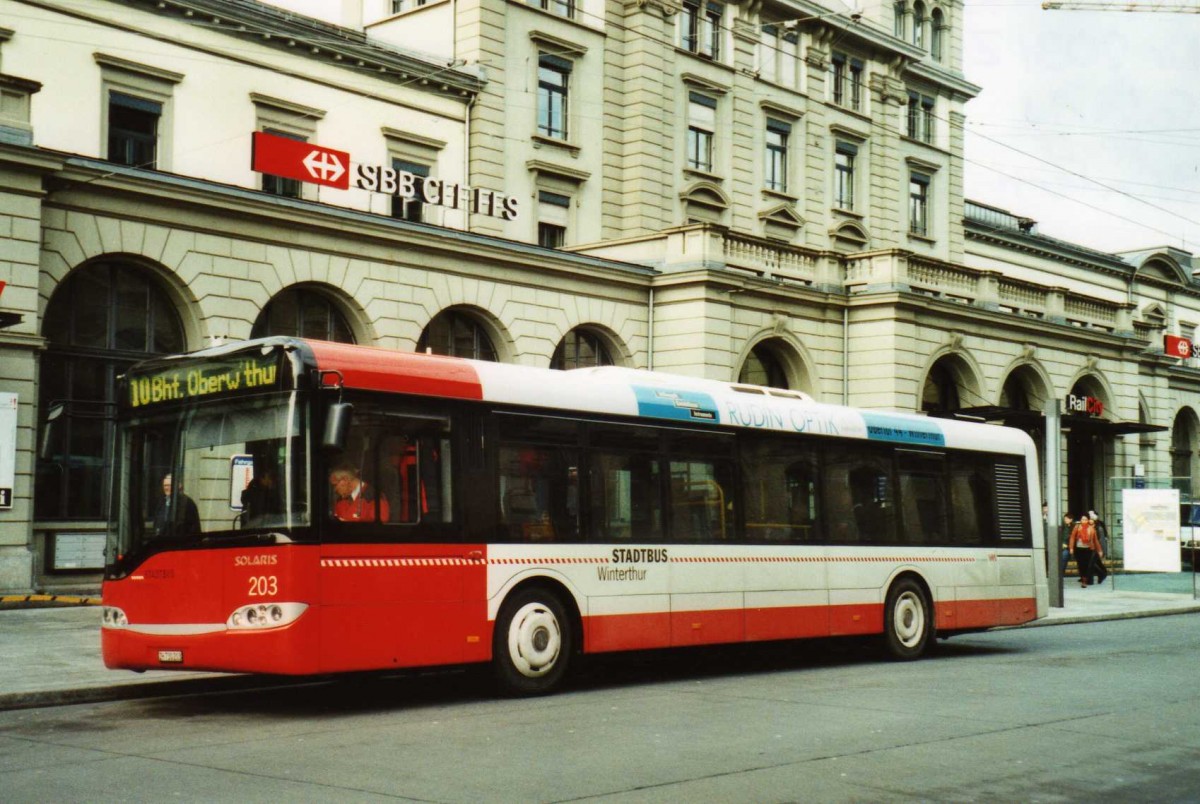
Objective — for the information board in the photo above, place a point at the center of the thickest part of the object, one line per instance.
(77, 551)
(1151, 530)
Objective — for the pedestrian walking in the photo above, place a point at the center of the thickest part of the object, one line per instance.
(1084, 545)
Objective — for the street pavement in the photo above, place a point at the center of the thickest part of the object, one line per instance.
(51, 652)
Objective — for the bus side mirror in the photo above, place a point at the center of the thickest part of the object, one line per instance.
(337, 425)
(50, 429)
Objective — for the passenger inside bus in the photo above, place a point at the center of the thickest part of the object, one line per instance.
(261, 503)
(177, 516)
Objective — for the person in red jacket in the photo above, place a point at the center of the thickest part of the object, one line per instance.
(353, 499)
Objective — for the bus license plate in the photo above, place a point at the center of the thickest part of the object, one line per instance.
(170, 656)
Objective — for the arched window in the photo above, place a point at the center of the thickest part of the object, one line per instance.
(1183, 443)
(580, 349)
(937, 37)
(456, 334)
(302, 313)
(763, 367)
(918, 24)
(100, 320)
(898, 14)
(940, 394)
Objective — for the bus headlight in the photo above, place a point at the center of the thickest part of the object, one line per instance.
(264, 615)
(113, 617)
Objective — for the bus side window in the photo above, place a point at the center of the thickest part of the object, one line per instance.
(539, 493)
(415, 476)
(626, 498)
(701, 501)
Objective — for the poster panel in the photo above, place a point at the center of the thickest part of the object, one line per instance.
(1151, 529)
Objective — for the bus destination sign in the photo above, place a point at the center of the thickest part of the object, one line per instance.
(198, 380)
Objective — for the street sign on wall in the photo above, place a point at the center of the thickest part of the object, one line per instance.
(1175, 346)
(302, 161)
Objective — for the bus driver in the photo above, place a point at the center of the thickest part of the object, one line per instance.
(353, 499)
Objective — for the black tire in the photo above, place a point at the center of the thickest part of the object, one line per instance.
(532, 643)
(908, 627)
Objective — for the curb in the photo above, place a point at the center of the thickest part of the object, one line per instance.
(159, 688)
(1115, 615)
(45, 601)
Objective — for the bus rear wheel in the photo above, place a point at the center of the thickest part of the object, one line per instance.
(908, 621)
(532, 643)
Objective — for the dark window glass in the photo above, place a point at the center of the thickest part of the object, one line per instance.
(553, 76)
(857, 495)
(701, 501)
(923, 497)
(626, 497)
(780, 479)
(133, 130)
(762, 367)
(972, 500)
(301, 313)
(100, 320)
(538, 493)
(580, 349)
(410, 209)
(457, 335)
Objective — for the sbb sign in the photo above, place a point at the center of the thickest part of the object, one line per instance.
(1176, 346)
(302, 161)
(1085, 404)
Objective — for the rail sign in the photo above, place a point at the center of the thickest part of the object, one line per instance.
(303, 161)
(1175, 346)
(294, 159)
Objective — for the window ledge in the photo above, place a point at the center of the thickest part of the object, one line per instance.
(920, 238)
(782, 195)
(848, 213)
(694, 173)
(540, 140)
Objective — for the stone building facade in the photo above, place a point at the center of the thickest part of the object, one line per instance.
(757, 192)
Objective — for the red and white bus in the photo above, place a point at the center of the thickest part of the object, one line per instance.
(342, 508)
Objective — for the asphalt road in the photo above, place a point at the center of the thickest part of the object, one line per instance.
(1089, 712)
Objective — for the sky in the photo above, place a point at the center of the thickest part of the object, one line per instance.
(1088, 122)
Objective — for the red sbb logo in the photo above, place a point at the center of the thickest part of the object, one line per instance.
(1176, 346)
(293, 159)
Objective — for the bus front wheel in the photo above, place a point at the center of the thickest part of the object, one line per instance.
(908, 621)
(532, 643)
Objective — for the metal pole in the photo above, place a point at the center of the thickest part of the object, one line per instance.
(1052, 491)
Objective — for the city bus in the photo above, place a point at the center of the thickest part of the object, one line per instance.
(293, 506)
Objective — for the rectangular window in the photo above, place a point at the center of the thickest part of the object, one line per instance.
(780, 480)
(769, 52)
(701, 501)
(837, 78)
(702, 123)
(538, 478)
(856, 84)
(918, 204)
(562, 8)
(133, 130)
(277, 185)
(843, 177)
(410, 209)
(626, 497)
(553, 76)
(553, 217)
(972, 500)
(858, 496)
(775, 168)
(923, 497)
(700, 28)
(920, 117)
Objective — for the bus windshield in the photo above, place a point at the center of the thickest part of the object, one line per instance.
(209, 472)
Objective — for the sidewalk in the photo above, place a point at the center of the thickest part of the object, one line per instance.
(52, 654)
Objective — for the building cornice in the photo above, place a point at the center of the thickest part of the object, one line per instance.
(271, 27)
